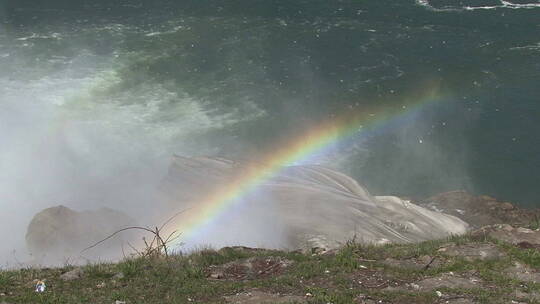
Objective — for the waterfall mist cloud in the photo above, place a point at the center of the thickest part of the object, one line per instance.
(69, 137)
(94, 102)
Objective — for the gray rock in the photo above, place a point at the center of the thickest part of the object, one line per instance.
(251, 268)
(472, 252)
(59, 233)
(258, 297)
(74, 274)
(532, 296)
(119, 276)
(448, 280)
(460, 301)
(421, 263)
(509, 234)
(479, 211)
(523, 273)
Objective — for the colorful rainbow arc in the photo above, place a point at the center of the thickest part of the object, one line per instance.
(300, 148)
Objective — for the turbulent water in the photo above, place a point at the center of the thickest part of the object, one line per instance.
(96, 95)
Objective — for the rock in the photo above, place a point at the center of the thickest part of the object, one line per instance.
(259, 297)
(119, 302)
(473, 251)
(119, 276)
(363, 299)
(445, 280)
(520, 295)
(216, 275)
(460, 301)
(449, 281)
(60, 233)
(74, 274)
(526, 237)
(247, 269)
(479, 211)
(421, 263)
(523, 273)
(241, 249)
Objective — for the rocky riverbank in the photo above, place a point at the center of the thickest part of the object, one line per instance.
(496, 263)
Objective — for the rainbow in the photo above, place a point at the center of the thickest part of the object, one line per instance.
(299, 149)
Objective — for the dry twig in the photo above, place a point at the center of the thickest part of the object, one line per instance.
(157, 247)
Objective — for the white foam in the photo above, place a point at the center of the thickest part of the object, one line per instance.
(531, 47)
(38, 36)
(153, 34)
(502, 5)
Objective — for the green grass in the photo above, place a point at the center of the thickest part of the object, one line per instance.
(328, 278)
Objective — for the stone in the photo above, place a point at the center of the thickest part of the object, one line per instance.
(74, 274)
(421, 263)
(57, 233)
(523, 273)
(506, 233)
(119, 276)
(460, 301)
(479, 211)
(259, 297)
(363, 299)
(445, 280)
(248, 269)
(241, 249)
(520, 295)
(471, 252)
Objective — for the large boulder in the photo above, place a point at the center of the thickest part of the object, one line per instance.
(59, 234)
(296, 207)
(481, 210)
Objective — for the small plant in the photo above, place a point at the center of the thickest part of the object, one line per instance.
(131, 267)
(5, 279)
(535, 223)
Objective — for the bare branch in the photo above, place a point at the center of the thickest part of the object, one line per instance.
(157, 246)
(172, 217)
(115, 233)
